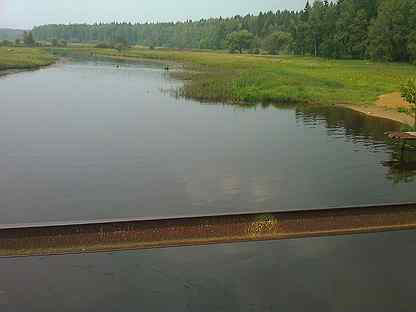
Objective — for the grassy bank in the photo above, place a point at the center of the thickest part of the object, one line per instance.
(285, 79)
(24, 58)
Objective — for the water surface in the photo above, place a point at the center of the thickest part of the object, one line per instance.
(90, 141)
(338, 274)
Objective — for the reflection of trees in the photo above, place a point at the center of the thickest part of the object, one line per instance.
(357, 128)
(360, 128)
(402, 167)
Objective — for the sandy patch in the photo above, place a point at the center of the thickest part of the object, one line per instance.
(387, 106)
(393, 101)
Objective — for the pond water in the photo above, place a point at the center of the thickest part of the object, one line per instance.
(89, 140)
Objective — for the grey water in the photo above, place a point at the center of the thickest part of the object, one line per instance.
(83, 141)
(90, 140)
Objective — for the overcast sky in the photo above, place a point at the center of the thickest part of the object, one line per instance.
(28, 13)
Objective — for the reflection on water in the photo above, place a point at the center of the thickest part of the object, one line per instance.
(103, 141)
(368, 132)
(401, 171)
(352, 273)
(402, 164)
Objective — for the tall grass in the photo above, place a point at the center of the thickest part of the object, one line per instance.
(24, 58)
(222, 77)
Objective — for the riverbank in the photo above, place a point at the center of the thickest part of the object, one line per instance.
(14, 60)
(231, 78)
(389, 106)
(276, 79)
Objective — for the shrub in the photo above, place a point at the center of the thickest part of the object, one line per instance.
(104, 45)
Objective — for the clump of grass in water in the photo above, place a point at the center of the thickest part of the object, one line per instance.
(407, 128)
(403, 110)
(226, 78)
(264, 224)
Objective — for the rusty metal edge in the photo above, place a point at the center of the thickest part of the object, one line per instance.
(181, 217)
(78, 251)
(135, 234)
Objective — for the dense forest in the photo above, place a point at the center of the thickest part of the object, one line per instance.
(359, 29)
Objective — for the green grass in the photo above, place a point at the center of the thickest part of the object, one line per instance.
(24, 58)
(222, 77)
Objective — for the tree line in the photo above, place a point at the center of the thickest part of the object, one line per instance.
(356, 29)
(10, 34)
(27, 40)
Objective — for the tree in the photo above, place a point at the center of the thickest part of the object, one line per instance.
(359, 35)
(239, 40)
(17, 42)
(121, 44)
(408, 92)
(63, 43)
(302, 38)
(411, 46)
(6, 43)
(28, 39)
(316, 22)
(277, 42)
(55, 42)
(389, 32)
(358, 29)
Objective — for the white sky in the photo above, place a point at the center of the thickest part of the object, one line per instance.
(28, 13)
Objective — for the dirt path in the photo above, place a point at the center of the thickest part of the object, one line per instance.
(387, 106)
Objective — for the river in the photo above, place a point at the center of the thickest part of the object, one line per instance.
(85, 141)
(96, 140)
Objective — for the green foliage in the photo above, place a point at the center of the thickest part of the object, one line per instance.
(239, 40)
(277, 42)
(407, 128)
(224, 77)
(28, 39)
(119, 45)
(411, 46)
(104, 45)
(350, 29)
(59, 43)
(24, 58)
(389, 32)
(408, 91)
(357, 29)
(6, 43)
(403, 110)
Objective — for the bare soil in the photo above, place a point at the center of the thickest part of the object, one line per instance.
(388, 106)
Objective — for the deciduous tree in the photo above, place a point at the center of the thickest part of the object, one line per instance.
(408, 91)
(277, 42)
(239, 40)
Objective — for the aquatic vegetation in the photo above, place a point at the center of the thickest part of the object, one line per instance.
(232, 78)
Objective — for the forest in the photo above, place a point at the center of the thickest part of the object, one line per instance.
(381, 30)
